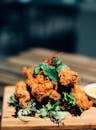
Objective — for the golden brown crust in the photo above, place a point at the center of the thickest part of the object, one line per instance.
(40, 87)
(28, 72)
(67, 77)
(81, 99)
(22, 94)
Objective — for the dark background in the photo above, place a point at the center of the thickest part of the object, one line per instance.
(67, 26)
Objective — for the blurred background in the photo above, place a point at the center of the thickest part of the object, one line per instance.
(63, 25)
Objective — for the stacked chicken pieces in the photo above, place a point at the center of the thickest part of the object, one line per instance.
(40, 86)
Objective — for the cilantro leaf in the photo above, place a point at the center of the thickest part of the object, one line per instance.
(60, 115)
(61, 67)
(43, 112)
(27, 111)
(49, 106)
(52, 110)
(12, 101)
(37, 68)
(49, 71)
(56, 106)
(69, 97)
(56, 61)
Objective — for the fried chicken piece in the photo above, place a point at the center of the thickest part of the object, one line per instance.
(28, 72)
(42, 87)
(43, 90)
(81, 99)
(22, 94)
(54, 95)
(67, 77)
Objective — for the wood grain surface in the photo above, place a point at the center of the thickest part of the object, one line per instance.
(87, 120)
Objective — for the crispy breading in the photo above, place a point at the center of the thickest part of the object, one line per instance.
(54, 95)
(42, 87)
(67, 77)
(43, 90)
(22, 94)
(28, 72)
(81, 99)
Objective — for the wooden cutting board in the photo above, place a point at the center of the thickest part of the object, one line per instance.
(87, 120)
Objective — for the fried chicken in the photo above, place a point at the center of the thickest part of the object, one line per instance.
(28, 72)
(81, 99)
(22, 93)
(40, 85)
(67, 77)
(45, 89)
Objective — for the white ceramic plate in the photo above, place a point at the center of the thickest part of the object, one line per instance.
(90, 90)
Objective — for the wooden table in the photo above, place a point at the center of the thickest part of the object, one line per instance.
(10, 68)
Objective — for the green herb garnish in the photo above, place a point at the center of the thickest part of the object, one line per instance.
(29, 110)
(56, 61)
(31, 107)
(12, 100)
(52, 111)
(49, 71)
(69, 97)
(61, 67)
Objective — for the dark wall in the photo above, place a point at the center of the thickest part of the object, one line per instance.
(87, 32)
(36, 25)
